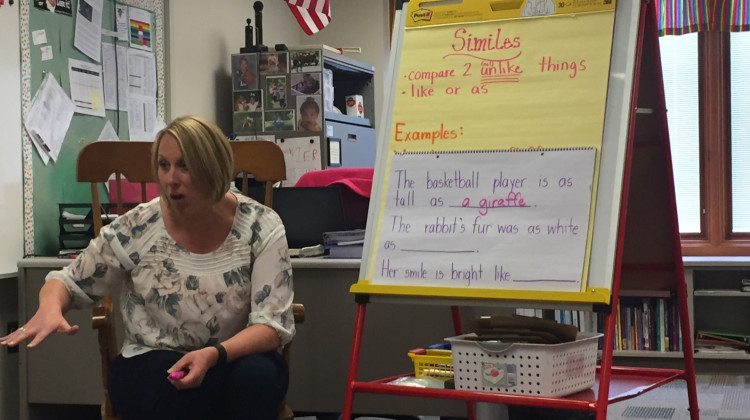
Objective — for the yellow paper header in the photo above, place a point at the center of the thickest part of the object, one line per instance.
(426, 13)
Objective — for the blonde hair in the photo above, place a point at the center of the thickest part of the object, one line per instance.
(205, 151)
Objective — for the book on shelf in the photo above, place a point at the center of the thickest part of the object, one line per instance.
(642, 323)
(647, 324)
(345, 251)
(343, 236)
(713, 338)
(718, 349)
(345, 243)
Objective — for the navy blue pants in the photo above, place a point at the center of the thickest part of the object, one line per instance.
(251, 387)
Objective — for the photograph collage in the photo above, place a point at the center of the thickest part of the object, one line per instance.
(277, 91)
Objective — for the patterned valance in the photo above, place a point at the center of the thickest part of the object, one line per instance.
(677, 17)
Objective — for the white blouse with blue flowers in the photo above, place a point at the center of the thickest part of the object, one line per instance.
(173, 299)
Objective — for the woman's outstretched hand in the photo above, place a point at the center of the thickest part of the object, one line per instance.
(40, 326)
(54, 300)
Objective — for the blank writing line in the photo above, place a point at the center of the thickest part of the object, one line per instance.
(547, 280)
(487, 82)
(439, 251)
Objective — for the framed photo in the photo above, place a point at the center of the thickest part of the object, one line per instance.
(309, 112)
(247, 122)
(248, 101)
(305, 61)
(245, 71)
(276, 94)
(305, 83)
(273, 63)
(282, 120)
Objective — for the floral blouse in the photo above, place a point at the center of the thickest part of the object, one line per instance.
(173, 299)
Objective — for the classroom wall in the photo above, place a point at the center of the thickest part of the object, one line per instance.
(11, 172)
(360, 23)
(201, 37)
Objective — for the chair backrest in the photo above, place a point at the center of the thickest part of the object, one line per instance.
(263, 160)
(132, 159)
(99, 160)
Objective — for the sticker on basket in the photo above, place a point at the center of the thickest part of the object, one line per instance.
(498, 375)
(574, 365)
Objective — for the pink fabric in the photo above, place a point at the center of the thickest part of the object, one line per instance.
(359, 180)
(131, 192)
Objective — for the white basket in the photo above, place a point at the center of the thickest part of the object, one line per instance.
(545, 370)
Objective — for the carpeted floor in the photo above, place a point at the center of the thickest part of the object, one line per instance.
(720, 397)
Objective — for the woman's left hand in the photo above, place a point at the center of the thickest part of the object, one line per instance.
(195, 365)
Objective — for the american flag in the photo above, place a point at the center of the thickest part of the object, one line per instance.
(312, 15)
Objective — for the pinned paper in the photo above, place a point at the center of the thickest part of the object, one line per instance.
(46, 53)
(140, 28)
(301, 155)
(86, 88)
(39, 37)
(108, 132)
(47, 129)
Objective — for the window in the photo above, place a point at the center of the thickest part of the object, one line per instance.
(679, 57)
(707, 91)
(739, 69)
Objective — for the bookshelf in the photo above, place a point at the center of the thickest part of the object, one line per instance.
(715, 302)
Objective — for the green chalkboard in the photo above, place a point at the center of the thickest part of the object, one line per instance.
(47, 186)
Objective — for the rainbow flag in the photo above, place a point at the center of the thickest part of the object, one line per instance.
(140, 33)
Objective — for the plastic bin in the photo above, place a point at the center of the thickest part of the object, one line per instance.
(434, 363)
(546, 370)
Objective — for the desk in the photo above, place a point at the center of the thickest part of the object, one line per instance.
(66, 370)
(8, 357)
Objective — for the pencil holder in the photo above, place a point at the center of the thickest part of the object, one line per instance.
(434, 363)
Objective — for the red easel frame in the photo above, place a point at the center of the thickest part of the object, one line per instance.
(648, 192)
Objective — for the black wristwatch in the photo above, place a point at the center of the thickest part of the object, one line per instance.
(222, 354)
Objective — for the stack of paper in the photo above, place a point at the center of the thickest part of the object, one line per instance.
(722, 339)
(345, 243)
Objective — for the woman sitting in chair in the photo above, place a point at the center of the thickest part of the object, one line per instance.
(205, 287)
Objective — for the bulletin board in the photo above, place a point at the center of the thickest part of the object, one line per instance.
(48, 43)
(501, 174)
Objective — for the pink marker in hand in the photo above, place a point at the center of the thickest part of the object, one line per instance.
(178, 374)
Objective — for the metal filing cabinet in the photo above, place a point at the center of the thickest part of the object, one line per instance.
(356, 141)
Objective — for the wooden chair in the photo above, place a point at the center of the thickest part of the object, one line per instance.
(98, 160)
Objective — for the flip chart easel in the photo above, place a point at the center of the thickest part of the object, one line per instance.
(528, 84)
(645, 246)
